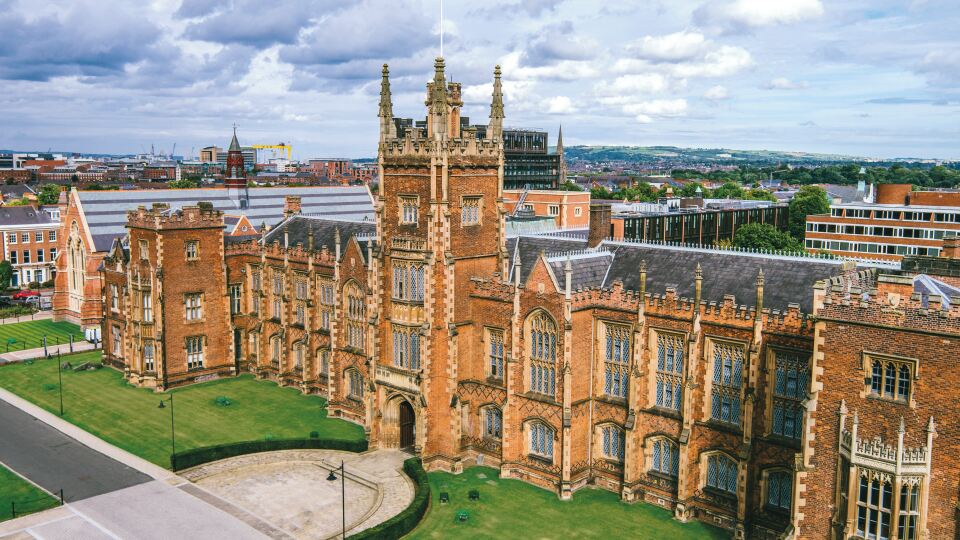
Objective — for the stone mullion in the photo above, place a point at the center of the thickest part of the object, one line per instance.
(694, 354)
(639, 372)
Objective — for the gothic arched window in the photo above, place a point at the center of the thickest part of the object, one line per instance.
(543, 354)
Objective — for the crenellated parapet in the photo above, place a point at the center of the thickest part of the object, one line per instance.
(614, 297)
(160, 217)
(422, 147)
(493, 289)
(889, 301)
(297, 253)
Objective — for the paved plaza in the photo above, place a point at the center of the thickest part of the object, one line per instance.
(112, 494)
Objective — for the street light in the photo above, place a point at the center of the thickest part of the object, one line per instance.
(343, 497)
(173, 439)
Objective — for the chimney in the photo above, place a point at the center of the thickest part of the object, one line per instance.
(291, 205)
(599, 224)
(951, 247)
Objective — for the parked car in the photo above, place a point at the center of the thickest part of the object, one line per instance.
(24, 294)
(6, 301)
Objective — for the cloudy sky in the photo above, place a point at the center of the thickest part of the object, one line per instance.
(861, 77)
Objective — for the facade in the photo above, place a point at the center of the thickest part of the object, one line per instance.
(527, 162)
(705, 224)
(30, 243)
(780, 397)
(894, 223)
(569, 209)
(92, 220)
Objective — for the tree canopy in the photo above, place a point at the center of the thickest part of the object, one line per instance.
(808, 201)
(766, 237)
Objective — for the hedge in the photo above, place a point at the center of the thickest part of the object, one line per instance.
(206, 454)
(409, 517)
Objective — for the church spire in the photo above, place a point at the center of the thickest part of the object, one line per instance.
(563, 162)
(387, 128)
(234, 144)
(495, 129)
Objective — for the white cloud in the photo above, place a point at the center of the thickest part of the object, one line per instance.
(783, 83)
(725, 61)
(717, 93)
(560, 105)
(748, 14)
(644, 83)
(674, 47)
(646, 111)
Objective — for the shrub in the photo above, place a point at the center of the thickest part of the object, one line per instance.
(206, 454)
(223, 401)
(34, 285)
(409, 517)
(314, 434)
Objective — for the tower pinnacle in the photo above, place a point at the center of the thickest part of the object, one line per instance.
(387, 128)
(495, 129)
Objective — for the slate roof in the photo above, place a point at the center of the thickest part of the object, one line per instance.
(15, 191)
(324, 231)
(927, 285)
(787, 279)
(23, 215)
(105, 211)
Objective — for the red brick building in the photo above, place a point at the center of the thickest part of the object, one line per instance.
(781, 397)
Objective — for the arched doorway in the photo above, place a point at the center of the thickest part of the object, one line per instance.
(408, 424)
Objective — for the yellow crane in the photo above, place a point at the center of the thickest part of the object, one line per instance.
(281, 146)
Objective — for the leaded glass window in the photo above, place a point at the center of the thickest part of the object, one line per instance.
(495, 340)
(722, 473)
(791, 373)
(727, 382)
(617, 365)
(541, 440)
(613, 442)
(406, 347)
(666, 457)
(909, 514)
(492, 423)
(891, 379)
(543, 355)
(669, 371)
(874, 501)
(779, 490)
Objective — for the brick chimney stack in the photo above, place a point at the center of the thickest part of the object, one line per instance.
(951, 247)
(291, 205)
(599, 224)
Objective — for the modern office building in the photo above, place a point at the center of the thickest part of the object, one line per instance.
(693, 221)
(890, 222)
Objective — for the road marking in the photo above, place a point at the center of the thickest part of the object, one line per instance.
(101, 528)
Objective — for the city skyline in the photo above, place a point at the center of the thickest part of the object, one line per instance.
(801, 75)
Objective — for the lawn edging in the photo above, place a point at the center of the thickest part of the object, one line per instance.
(408, 518)
(206, 454)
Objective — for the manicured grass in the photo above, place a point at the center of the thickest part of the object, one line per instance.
(102, 403)
(29, 335)
(26, 497)
(513, 509)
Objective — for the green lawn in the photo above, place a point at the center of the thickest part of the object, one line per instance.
(26, 497)
(513, 509)
(29, 335)
(102, 403)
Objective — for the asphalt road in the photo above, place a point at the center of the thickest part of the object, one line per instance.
(55, 461)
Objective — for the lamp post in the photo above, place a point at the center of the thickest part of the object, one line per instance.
(173, 439)
(343, 497)
(60, 377)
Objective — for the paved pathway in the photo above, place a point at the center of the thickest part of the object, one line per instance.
(56, 461)
(40, 315)
(26, 354)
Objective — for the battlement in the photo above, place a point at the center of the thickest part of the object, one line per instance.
(160, 217)
(888, 300)
(422, 147)
(495, 289)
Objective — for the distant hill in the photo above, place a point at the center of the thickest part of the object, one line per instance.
(719, 156)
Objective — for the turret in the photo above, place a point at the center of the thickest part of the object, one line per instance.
(437, 103)
(236, 174)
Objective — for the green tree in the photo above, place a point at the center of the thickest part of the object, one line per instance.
(49, 193)
(766, 237)
(6, 273)
(730, 190)
(182, 183)
(570, 185)
(757, 194)
(809, 201)
(600, 193)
